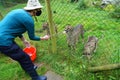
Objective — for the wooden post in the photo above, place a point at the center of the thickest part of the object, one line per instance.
(104, 68)
(51, 27)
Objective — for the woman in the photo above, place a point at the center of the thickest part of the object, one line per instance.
(13, 25)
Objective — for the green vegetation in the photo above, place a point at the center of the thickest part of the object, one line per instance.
(71, 64)
(116, 12)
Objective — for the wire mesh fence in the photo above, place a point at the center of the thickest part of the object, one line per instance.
(96, 22)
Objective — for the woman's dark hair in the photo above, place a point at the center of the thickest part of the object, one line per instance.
(29, 10)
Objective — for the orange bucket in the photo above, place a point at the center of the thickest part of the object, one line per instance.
(31, 51)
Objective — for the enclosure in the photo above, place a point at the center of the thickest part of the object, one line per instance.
(104, 23)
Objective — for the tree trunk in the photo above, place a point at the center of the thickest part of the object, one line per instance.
(104, 68)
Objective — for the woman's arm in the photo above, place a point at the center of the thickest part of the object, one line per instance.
(25, 42)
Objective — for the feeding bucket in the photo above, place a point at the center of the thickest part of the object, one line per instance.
(31, 51)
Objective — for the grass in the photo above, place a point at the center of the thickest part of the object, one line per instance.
(66, 62)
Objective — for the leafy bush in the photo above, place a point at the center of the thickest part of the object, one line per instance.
(96, 3)
(116, 12)
(81, 4)
(109, 8)
(8, 3)
(113, 9)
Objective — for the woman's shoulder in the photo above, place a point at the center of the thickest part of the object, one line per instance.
(20, 13)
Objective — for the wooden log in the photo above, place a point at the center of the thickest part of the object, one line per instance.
(104, 68)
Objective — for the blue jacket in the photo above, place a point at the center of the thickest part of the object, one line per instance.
(14, 25)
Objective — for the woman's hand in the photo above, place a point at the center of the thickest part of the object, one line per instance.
(26, 43)
(46, 37)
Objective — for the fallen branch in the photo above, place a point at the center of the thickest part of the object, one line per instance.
(104, 68)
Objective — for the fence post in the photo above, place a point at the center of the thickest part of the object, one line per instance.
(51, 27)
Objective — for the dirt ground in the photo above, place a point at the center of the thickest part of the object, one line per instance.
(53, 76)
(50, 74)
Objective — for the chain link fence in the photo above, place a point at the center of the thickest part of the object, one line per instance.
(96, 22)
